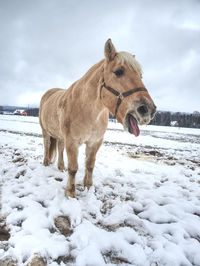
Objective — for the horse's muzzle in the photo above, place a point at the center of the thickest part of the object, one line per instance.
(146, 110)
(140, 115)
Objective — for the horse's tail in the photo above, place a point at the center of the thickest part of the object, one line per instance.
(52, 149)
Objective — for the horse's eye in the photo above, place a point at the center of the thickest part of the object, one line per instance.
(119, 72)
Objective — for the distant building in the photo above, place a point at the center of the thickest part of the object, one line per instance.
(24, 113)
(20, 112)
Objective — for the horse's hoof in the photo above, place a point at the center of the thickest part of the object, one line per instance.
(87, 185)
(62, 168)
(46, 163)
(70, 194)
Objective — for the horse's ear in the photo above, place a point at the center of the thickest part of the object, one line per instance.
(109, 50)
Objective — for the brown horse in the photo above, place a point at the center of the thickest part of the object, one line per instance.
(79, 114)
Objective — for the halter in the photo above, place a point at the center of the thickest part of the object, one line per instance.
(120, 95)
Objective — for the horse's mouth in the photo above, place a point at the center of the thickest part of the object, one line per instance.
(132, 125)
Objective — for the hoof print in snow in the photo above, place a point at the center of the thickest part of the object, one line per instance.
(4, 245)
(4, 233)
(21, 173)
(19, 222)
(37, 261)
(42, 203)
(115, 258)
(8, 262)
(67, 260)
(63, 225)
(4, 171)
(18, 160)
(58, 179)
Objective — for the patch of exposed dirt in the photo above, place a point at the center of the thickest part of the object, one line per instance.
(21, 173)
(4, 230)
(21, 133)
(163, 156)
(114, 227)
(43, 204)
(8, 261)
(62, 223)
(19, 159)
(58, 179)
(194, 161)
(4, 233)
(37, 261)
(115, 258)
(67, 260)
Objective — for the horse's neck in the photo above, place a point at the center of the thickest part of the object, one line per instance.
(95, 71)
(87, 88)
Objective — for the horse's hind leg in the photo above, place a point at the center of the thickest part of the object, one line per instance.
(49, 148)
(72, 154)
(61, 165)
(47, 143)
(91, 151)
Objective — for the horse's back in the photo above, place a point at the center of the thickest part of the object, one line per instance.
(49, 94)
(49, 108)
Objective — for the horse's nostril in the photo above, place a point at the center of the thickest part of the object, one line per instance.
(143, 109)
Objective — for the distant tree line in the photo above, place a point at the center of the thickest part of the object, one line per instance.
(32, 111)
(177, 119)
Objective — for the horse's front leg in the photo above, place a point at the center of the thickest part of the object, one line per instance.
(91, 151)
(72, 154)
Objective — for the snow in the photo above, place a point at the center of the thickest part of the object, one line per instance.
(143, 209)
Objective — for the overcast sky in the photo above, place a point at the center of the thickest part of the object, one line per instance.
(52, 43)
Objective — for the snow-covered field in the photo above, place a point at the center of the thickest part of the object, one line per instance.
(144, 207)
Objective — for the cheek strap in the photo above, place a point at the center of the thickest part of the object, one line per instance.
(120, 95)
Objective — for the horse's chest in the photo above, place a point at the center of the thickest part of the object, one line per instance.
(84, 132)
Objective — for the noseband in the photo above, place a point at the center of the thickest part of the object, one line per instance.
(120, 95)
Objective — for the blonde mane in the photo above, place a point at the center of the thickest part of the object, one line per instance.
(130, 61)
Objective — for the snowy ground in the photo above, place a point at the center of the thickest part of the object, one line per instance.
(144, 207)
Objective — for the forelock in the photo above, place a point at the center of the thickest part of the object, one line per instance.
(129, 60)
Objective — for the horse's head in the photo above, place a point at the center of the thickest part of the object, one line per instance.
(123, 91)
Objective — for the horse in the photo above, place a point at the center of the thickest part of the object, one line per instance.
(79, 115)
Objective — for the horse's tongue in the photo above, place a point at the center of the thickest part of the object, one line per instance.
(134, 126)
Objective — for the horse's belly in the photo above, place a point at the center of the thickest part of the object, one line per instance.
(52, 128)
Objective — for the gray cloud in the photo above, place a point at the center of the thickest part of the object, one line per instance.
(47, 44)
